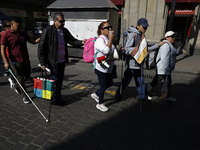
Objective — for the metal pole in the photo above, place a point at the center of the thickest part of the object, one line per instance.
(28, 96)
(172, 14)
(123, 43)
(141, 85)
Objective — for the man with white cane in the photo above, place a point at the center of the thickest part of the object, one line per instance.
(16, 39)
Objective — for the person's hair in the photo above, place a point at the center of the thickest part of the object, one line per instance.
(55, 16)
(5, 23)
(100, 27)
(17, 20)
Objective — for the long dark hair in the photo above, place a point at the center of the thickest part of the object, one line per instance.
(100, 27)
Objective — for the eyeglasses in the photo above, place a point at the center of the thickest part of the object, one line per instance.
(61, 21)
(8, 26)
(108, 27)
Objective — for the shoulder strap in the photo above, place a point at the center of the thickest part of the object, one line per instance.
(170, 53)
(102, 38)
(95, 55)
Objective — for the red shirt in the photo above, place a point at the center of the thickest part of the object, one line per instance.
(16, 43)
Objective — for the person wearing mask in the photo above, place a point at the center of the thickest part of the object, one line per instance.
(166, 60)
(133, 69)
(15, 39)
(103, 47)
(53, 51)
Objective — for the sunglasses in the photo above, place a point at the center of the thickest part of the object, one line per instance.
(61, 21)
(145, 28)
(7, 25)
(108, 27)
(172, 36)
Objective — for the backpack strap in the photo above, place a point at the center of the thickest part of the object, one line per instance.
(95, 55)
(170, 54)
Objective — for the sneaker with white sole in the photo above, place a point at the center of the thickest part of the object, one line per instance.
(170, 99)
(149, 98)
(12, 84)
(26, 100)
(95, 97)
(102, 107)
(16, 90)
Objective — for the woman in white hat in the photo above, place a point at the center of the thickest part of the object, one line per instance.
(166, 60)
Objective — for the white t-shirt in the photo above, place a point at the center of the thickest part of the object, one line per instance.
(100, 44)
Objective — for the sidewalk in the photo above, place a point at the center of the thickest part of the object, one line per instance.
(128, 125)
(188, 64)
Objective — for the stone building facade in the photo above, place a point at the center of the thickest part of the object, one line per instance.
(157, 12)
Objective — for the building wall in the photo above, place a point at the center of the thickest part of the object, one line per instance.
(156, 12)
(153, 10)
(29, 6)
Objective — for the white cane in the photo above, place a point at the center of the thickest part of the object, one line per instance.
(28, 96)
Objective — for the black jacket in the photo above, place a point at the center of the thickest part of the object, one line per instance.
(48, 45)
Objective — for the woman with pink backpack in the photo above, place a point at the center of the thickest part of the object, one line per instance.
(103, 47)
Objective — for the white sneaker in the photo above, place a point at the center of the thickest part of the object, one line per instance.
(95, 97)
(171, 99)
(26, 100)
(149, 98)
(5, 74)
(12, 84)
(102, 107)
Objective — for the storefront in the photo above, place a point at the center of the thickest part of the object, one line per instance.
(22, 14)
(186, 24)
(41, 22)
(183, 21)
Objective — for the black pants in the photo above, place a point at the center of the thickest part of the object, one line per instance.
(105, 81)
(57, 74)
(22, 72)
(157, 80)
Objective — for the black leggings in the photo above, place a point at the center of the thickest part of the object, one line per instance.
(105, 81)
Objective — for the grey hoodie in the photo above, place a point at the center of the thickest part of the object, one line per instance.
(167, 56)
(131, 43)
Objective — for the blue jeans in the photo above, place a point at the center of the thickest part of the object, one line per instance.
(128, 74)
(57, 74)
(105, 81)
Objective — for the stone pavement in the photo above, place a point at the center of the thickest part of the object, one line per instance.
(79, 125)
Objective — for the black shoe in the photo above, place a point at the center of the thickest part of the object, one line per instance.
(118, 98)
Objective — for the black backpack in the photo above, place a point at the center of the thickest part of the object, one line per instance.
(150, 60)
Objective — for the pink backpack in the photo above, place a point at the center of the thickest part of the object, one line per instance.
(88, 52)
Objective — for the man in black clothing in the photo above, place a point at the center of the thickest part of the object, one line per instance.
(53, 51)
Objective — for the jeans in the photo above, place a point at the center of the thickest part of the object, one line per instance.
(105, 81)
(22, 73)
(57, 74)
(157, 80)
(128, 74)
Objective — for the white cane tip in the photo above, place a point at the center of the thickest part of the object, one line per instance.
(47, 120)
